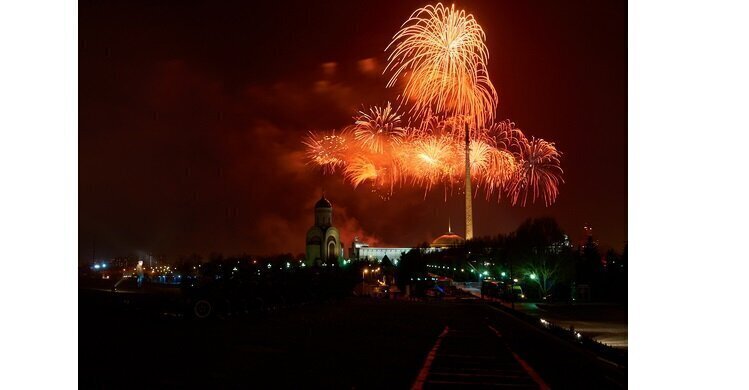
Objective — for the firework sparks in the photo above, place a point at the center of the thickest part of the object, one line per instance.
(380, 171)
(378, 128)
(499, 171)
(429, 159)
(538, 173)
(328, 150)
(503, 160)
(361, 170)
(440, 55)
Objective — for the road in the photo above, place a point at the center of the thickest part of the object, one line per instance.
(354, 343)
(606, 323)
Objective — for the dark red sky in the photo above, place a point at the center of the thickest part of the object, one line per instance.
(191, 117)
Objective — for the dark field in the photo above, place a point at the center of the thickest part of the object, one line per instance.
(351, 343)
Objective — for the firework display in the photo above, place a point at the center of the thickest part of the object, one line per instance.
(448, 106)
(441, 58)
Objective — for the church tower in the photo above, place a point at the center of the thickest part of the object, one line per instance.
(324, 246)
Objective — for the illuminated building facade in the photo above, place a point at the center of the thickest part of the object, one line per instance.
(362, 251)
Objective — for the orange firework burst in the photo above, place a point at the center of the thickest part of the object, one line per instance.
(441, 56)
(478, 156)
(378, 128)
(360, 170)
(503, 135)
(426, 159)
(499, 171)
(380, 171)
(503, 160)
(538, 174)
(328, 150)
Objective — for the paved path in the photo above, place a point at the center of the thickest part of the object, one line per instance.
(612, 332)
(475, 356)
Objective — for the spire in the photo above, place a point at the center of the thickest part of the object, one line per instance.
(449, 228)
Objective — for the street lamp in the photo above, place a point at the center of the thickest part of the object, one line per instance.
(533, 276)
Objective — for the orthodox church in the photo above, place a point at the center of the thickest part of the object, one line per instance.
(323, 240)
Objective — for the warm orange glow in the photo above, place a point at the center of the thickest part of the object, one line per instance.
(361, 170)
(441, 57)
(378, 128)
(326, 150)
(538, 173)
(503, 160)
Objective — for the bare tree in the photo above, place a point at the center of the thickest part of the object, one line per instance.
(543, 270)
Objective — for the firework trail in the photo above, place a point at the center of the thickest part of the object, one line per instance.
(361, 170)
(538, 174)
(328, 150)
(429, 159)
(378, 128)
(440, 56)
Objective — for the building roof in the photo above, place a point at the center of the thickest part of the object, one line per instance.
(323, 203)
(447, 240)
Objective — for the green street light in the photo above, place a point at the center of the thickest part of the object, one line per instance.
(486, 273)
(503, 274)
(533, 276)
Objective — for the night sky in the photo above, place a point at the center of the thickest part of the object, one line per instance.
(192, 115)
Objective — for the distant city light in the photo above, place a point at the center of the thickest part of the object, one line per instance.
(96, 266)
(503, 274)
